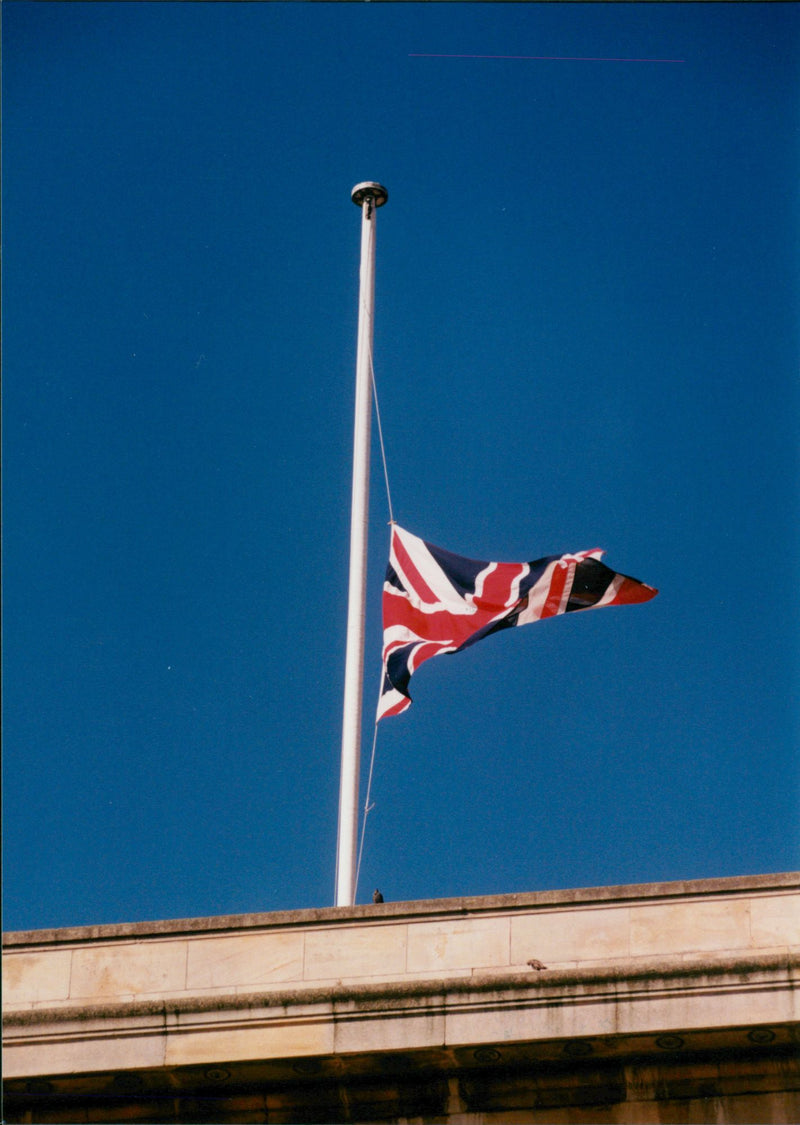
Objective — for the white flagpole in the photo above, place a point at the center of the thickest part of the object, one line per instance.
(368, 196)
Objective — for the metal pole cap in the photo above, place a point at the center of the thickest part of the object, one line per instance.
(369, 190)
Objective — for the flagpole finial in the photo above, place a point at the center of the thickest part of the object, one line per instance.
(369, 190)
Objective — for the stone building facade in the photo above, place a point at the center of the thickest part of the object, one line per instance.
(673, 1002)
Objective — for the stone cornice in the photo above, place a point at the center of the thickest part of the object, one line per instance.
(396, 911)
(648, 975)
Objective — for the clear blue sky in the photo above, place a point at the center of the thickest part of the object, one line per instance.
(586, 336)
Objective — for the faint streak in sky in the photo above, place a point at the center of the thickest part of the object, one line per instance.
(543, 58)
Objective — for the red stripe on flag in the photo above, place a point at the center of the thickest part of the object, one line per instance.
(396, 708)
(404, 560)
(557, 583)
(497, 587)
(436, 626)
(424, 651)
(632, 592)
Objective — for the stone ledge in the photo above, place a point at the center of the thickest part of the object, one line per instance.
(732, 885)
(651, 971)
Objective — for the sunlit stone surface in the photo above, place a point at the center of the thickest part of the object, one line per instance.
(667, 1002)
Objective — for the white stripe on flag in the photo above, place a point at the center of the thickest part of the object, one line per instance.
(431, 573)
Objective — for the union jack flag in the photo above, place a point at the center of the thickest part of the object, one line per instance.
(435, 601)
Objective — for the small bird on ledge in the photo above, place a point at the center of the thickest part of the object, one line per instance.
(377, 896)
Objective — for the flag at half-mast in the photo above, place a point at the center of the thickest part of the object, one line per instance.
(435, 601)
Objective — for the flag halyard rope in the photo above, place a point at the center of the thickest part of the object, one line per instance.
(368, 807)
(380, 436)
